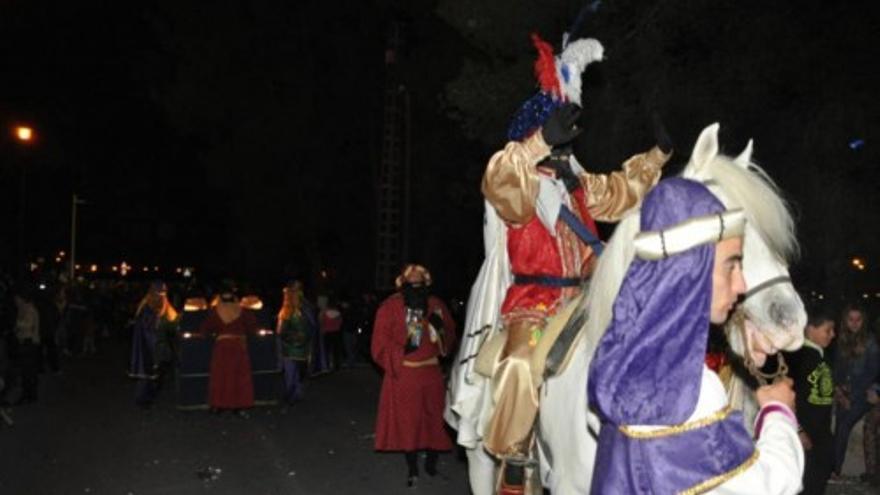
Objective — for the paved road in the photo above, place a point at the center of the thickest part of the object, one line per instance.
(86, 437)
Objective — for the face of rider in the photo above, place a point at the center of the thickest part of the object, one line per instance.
(727, 279)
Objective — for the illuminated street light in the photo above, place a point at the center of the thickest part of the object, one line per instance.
(24, 133)
(25, 136)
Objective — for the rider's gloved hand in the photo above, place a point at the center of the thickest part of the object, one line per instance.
(560, 127)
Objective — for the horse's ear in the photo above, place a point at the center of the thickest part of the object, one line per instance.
(706, 148)
(745, 157)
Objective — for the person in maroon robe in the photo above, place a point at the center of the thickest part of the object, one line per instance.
(412, 332)
(230, 386)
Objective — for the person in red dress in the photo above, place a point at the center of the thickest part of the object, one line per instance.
(412, 332)
(230, 385)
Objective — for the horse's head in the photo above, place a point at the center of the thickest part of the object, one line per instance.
(774, 311)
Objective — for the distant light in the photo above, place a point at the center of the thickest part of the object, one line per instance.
(252, 302)
(263, 333)
(187, 273)
(821, 296)
(187, 335)
(24, 133)
(155, 268)
(179, 270)
(77, 267)
(856, 144)
(323, 273)
(34, 267)
(146, 269)
(42, 286)
(57, 260)
(93, 268)
(62, 254)
(864, 296)
(114, 268)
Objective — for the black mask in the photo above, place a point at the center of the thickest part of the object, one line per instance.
(415, 297)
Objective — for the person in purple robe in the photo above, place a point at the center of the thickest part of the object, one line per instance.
(666, 424)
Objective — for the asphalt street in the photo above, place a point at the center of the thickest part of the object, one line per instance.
(85, 436)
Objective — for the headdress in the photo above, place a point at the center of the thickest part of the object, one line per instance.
(412, 269)
(559, 79)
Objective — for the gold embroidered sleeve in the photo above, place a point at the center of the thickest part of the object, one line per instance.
(609, 196)
(510, 183)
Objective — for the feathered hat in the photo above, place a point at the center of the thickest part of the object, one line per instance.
(559, 79)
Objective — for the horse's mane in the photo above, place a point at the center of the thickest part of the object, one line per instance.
(754, 191)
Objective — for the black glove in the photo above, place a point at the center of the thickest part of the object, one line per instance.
(560, 127)
(664, 142)
(562, 167)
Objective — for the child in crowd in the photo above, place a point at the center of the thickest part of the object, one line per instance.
(814, 385)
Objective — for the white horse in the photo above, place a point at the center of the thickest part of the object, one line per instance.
(773, 308)
(567, 430)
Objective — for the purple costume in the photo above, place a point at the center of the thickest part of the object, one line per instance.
(648, 367)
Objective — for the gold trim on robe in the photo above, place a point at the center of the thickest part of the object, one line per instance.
(715, 481)
(668, 431)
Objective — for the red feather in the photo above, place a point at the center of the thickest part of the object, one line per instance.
(545, 66)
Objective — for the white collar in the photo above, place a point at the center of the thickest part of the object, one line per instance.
(809, 343)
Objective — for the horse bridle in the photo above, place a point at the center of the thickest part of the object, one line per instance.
(739, 318)
(782, 279)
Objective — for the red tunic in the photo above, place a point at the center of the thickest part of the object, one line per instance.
(534, 251)
(411, 402)
(230, 385)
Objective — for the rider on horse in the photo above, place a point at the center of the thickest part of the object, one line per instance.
(549, 204)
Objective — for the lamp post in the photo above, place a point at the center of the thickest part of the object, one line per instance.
(25, 136)
(75, 201)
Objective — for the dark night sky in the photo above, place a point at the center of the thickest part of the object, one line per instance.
(243, 137)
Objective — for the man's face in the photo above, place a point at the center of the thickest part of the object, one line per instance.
(821, 334)
(854, 320)
(727, 278)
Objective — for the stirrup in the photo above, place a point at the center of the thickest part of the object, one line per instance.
(514, 476)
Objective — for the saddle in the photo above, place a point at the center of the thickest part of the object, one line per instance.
(553, 352)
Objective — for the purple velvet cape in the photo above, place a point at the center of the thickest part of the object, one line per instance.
(648, 366)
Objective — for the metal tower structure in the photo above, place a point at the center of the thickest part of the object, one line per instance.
(392, 226)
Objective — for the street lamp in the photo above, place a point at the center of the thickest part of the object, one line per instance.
(23, 133)
(25, 136)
